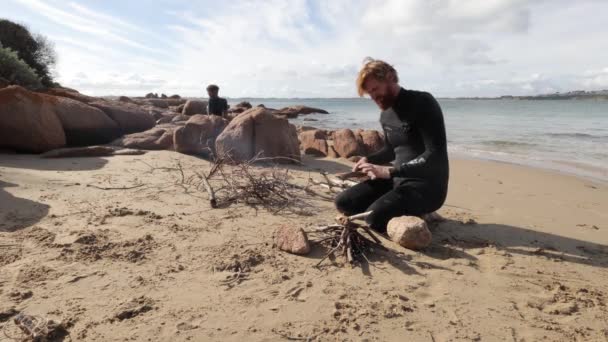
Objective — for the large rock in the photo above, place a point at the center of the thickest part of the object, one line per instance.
(244, 104)
(28, 121)
(130, 118)
(314, 142)
(175, 97)
(199, 134)
(292, 240)
(346, 144)
(195, 107)
(72, 94)
(83, 124)
(258, 131)
(370, 141)
(165, 119)
(180, 117)
(157, 138)
(409, 231)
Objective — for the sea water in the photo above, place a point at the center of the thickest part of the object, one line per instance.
(565, 135)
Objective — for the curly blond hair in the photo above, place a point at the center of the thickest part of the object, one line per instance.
(377, 69)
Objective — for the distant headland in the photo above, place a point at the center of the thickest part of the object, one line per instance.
(571, 95)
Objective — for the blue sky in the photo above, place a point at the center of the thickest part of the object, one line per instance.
(291, 48)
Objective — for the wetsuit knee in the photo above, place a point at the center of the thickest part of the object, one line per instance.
(378, 220)
(343, 203)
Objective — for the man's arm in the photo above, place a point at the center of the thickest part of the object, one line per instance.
(432, 131)
(384, 155)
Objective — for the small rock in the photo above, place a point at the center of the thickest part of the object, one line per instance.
(409, 231)
(291, 240)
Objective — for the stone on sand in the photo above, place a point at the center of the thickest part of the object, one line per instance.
(292, 240)
(410, 232)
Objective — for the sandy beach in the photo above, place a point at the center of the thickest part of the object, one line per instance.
(121, 249)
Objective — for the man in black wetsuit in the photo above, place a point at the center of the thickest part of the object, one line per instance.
(415, 140)
(217, 105)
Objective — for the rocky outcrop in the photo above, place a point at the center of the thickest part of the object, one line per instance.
(294, 111)
(166, 118)
(130, 118)
(198, 135)
(180, 117)
(175, 97)
(125, 99)
(28, 121)
(151, 96)
(83, 124)
(157, 138)
(259, 131)
(341, 143)
(159, 103)
(195, 107)
(72, 94)
(314, 142)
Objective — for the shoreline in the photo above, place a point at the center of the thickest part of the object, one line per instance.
(542, 166)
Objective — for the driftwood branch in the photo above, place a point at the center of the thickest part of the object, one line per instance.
(115, 188)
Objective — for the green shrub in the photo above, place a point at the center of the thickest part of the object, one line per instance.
(16, 71)
(34, 49)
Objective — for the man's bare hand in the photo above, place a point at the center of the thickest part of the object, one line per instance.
(357, 166)
(376, 171)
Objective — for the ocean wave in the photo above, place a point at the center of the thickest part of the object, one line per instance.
(507, 144)
(577, 135)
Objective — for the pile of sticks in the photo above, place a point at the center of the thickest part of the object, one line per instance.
(347, 241)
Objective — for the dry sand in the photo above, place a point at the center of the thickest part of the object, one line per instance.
(522, 256)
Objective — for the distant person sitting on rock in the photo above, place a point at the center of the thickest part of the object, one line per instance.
(217, 105)
(415, 140)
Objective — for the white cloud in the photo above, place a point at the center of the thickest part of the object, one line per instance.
(314, 48)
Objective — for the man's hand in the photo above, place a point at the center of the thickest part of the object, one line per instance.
(376, 171)
(357, 166)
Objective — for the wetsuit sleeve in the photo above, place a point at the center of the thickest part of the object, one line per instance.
(384, 155)
(432, 130)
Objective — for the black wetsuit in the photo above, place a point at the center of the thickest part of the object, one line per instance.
(217, 106)
(415, 140)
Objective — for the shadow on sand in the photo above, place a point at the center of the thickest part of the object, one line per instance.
(18, 213)
(34, 162)
(452, 240)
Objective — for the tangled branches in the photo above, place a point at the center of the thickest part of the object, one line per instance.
(347, 241)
